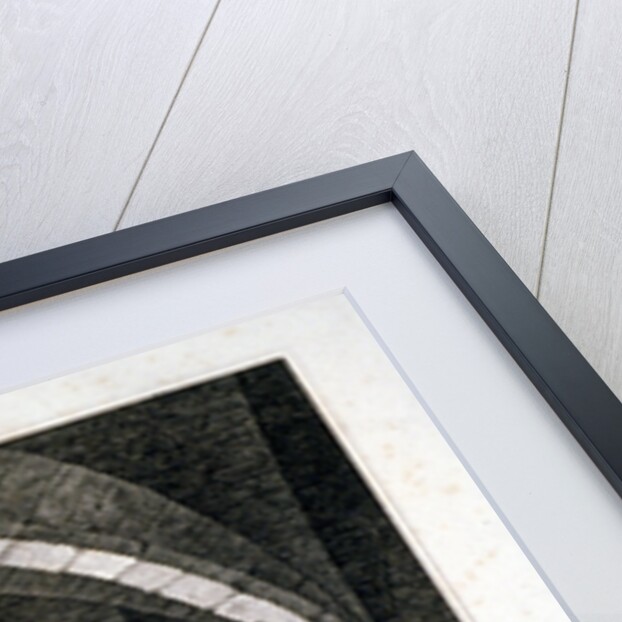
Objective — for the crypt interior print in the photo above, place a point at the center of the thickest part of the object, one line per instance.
(229, 500)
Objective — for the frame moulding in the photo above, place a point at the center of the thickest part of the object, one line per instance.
(572, 388)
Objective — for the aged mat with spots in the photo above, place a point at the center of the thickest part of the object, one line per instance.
(225, 501)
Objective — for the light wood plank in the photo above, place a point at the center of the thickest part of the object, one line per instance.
(84, 87)
(582, 275)
(281, 91)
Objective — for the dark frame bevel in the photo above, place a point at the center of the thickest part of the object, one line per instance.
(572, 388)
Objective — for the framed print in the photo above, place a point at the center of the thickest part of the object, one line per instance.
(533, 426)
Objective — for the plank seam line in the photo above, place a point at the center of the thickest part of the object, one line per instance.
(547, 218)
(167, 115)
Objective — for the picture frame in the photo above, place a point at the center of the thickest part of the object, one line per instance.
(583, 402)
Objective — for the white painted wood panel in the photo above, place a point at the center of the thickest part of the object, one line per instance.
(282, 91)
(84, 87)
(582, 275)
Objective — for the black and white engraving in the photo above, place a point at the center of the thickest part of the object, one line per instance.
(229, 500)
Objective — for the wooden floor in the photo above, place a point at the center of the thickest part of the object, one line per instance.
(113, 114)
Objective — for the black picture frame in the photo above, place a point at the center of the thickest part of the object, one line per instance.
(572, 388)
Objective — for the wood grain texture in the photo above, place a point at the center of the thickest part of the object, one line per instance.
(84, 87)
(282, 91)
(582, 275)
